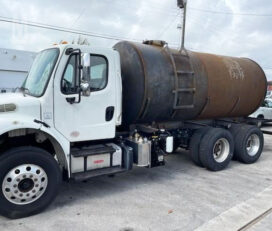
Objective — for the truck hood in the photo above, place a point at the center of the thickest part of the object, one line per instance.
(19, 106)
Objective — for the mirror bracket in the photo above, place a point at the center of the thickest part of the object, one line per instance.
(85, 85)
(85, 88)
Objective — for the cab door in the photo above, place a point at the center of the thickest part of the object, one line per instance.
(78, 117)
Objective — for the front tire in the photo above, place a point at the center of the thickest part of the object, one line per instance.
(216, 149)
(29, 178)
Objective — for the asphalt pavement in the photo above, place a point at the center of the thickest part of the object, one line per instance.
(178, 196)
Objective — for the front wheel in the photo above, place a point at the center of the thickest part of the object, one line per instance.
(29, 179)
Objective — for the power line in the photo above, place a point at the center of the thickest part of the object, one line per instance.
(230, 13)
(161, 33)
(64, 29)
(68, 30)
(78, 17)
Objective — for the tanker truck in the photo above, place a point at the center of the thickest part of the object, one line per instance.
(85, 111)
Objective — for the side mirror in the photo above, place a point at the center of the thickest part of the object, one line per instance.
(86, 77)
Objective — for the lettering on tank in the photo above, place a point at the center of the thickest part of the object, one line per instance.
(234, 68)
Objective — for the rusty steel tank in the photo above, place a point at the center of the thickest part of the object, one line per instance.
(161, 84)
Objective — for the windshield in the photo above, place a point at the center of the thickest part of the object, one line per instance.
(40, 72)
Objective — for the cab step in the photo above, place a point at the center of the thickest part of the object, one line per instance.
(92, 150)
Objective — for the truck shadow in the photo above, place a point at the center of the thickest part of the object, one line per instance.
(99, 187)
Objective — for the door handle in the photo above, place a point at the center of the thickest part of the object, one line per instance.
(71, 100)
(109, 113)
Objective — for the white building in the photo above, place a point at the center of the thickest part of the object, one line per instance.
(14, 66)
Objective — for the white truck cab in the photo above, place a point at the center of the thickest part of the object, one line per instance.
(51, 102)
(52, 106)
(56, 86)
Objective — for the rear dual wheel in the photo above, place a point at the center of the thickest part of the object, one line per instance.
(216, 149)
(195, 143)
(212, 148)
(249, 143)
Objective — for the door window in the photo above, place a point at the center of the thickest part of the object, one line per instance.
(99, 72)
(69, 83)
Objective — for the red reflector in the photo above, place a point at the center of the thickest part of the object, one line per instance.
(98, 161)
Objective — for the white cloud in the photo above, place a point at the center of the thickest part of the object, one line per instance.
(215, 33)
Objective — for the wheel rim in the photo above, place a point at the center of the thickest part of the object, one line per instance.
(24, 184)
(253, 145)
(221, 150)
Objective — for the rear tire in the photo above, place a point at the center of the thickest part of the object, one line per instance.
(216, 149)
(29, 178)
(195, 143)
(249, 143)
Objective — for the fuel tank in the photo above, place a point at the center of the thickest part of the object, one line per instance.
(161, 84)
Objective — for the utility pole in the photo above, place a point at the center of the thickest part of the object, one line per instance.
(182, 4)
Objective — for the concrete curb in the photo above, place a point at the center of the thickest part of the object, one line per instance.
(242, 215)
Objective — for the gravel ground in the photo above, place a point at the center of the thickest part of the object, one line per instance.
(178, 196)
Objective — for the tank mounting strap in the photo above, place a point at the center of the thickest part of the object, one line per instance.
(184, 90)
(185, 72)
